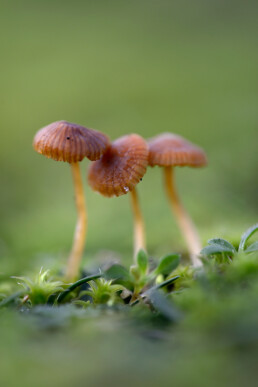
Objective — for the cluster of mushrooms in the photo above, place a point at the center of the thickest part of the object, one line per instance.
(116, 168)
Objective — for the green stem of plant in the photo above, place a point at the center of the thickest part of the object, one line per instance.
(139, 228)
(81, 226)
(183, 219)
(75, 285)
(165, 283)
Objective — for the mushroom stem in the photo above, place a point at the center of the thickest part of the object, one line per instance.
(81, 226)
(139, 229)
(183, 219)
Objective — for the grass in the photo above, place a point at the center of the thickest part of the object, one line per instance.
(204, 323)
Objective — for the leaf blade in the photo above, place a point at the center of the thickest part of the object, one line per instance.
(247, 235)
(167, 264)
(82, 281)
(214, 250)
(142, 261)
(223, 243)
(253, 247)
(117, 271)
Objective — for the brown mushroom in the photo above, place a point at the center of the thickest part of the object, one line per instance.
(118, 171)
(169, 150)
(64, 141)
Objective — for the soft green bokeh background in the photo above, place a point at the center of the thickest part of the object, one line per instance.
(142, 66)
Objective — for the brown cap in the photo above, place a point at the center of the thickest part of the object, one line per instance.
(63, 141)
(169, 149)
(121, 167)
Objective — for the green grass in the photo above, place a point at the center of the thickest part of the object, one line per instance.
(205, 330)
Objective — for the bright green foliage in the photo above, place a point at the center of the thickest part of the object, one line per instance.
(102, 292)
(167, 264)
(41, 288)
(224, 267)
(186, 276)
(140, 277)
(223, 251)
(142, 261)
(246, 236)
(116, 285)
(74, 286)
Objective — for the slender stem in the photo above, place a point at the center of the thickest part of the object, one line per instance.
(81, 226)
(80, 282)
(184, 221)
(139, 229)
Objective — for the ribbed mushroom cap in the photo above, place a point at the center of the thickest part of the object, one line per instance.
(170, 149)
(64, 141)
(121, 167)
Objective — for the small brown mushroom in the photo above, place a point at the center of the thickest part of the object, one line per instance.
(169, 150)
(64, 141)
(118, 171)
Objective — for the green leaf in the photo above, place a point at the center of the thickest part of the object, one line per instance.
(215, 249)
(135, 272)
(166, 283)
(82, 281)
(223, 243)
(252, 247)
(142, 261)
(247, 234)
(163, 306)
(117, 272)
(167, 264)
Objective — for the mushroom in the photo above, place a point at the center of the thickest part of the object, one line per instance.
(64, 141)
(169, 150)
(118, 171)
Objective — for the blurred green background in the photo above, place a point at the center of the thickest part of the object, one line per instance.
(143, 66)
(120, 67)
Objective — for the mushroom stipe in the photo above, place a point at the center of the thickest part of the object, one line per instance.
(118, 171)
(81, 226)
(185, 223)
(51, 141)
(169, 150)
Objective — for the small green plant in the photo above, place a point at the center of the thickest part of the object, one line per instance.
(223, 251)
(101, 291)
(140, 277)
(141, 283)
(39, 290)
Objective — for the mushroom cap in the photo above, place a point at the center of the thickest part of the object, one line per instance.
(121, 167)
(168, 149)
(64, 141)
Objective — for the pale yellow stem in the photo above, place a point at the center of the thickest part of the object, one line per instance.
(183, 219)
(81, 226)
(139, 229)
